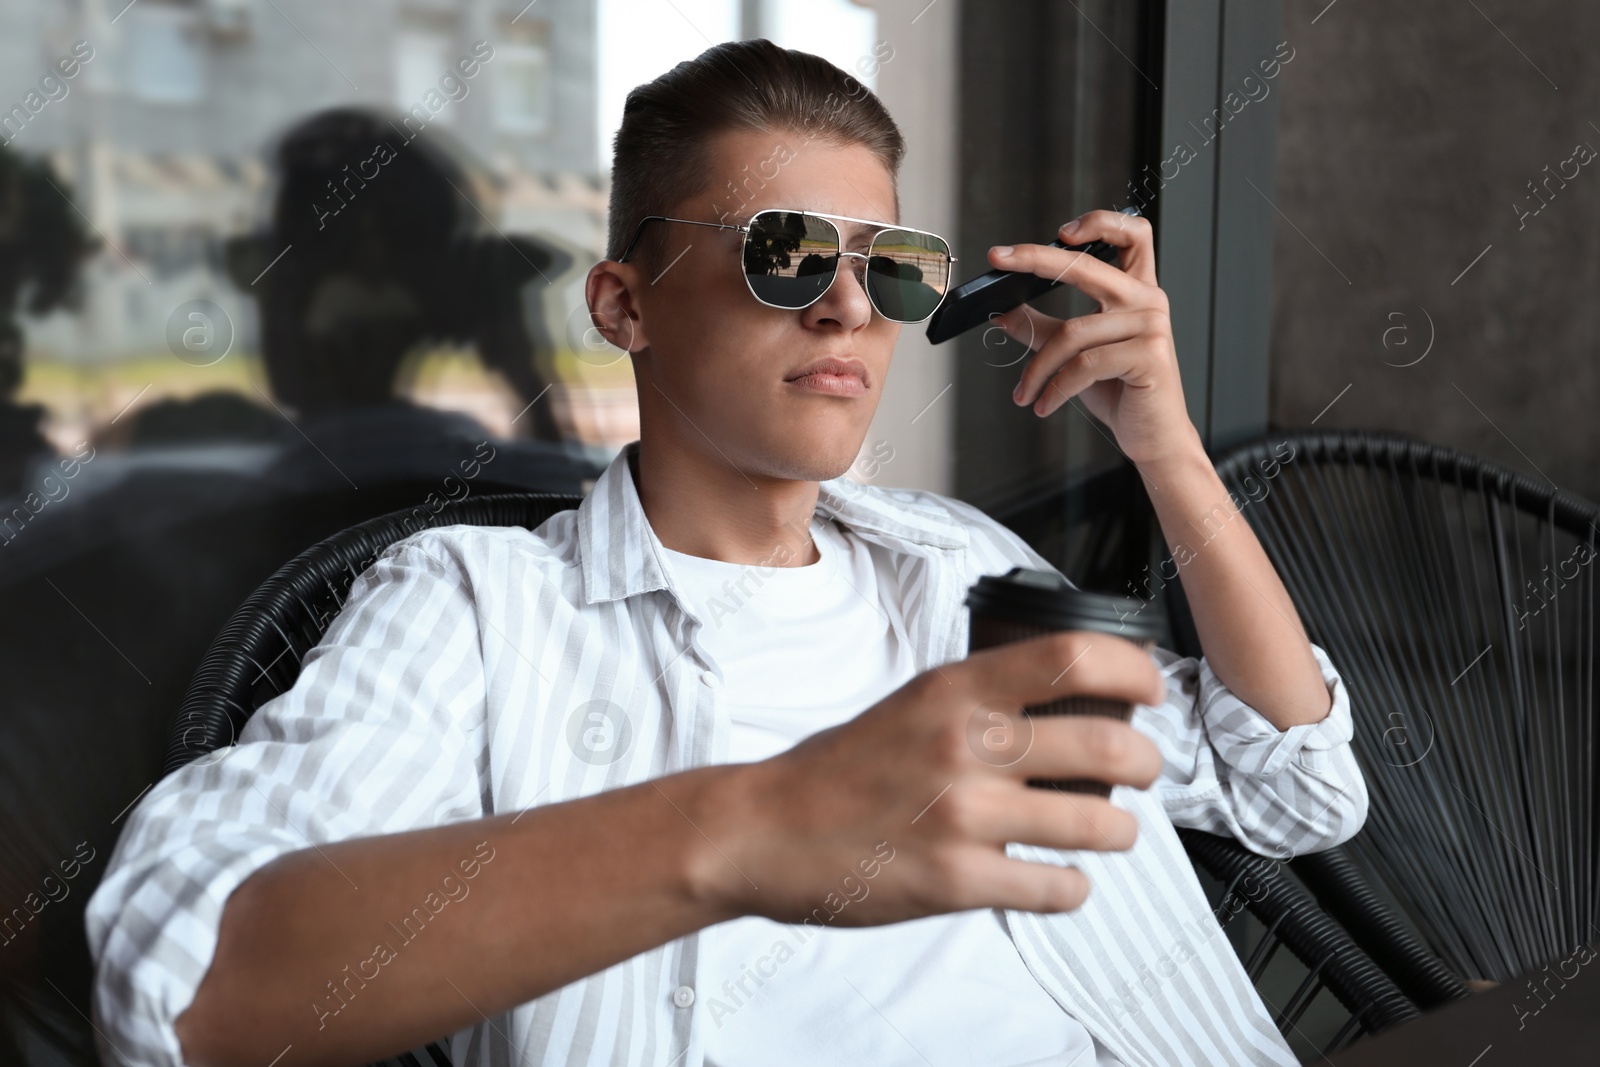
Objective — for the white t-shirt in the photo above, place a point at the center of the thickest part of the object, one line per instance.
(803, 649)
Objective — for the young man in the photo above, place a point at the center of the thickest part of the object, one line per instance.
(695, 774)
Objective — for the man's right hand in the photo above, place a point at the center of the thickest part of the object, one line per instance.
(919, 771)
(582, 884)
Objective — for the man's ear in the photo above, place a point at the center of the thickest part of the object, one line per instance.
(614, 312)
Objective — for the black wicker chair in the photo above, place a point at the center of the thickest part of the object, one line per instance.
(257, 656)
(1098, 531)
(1458, 599)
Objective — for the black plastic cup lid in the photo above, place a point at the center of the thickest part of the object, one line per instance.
(1044, 599)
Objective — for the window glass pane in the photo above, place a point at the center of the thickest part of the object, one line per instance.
(421, 56)
(286, 266)
(522, 89)
(164, 60)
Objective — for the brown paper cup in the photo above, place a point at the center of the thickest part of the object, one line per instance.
(1024, 604)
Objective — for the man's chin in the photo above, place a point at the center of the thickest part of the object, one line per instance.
(814, 458)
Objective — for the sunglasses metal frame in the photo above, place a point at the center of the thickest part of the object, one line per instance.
(744, 228)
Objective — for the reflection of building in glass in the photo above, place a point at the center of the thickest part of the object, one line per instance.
(165, 134)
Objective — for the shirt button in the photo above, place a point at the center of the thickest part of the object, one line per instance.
(709, 678)
(683, 996)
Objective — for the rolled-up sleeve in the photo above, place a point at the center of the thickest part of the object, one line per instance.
(1228, 770)
(379, 734)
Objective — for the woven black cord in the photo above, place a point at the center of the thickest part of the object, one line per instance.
(1427, 575)
(1347, 896)
(1294, 917)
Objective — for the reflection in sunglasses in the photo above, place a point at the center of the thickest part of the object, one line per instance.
(791, 257)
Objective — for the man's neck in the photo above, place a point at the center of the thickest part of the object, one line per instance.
(717, 511)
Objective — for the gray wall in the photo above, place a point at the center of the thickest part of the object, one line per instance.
(1408, 132)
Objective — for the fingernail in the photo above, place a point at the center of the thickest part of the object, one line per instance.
(1016, 394)
(1002, 250)
(1070, 227)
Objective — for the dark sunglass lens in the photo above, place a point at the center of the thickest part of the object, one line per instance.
(907, 274)
(790, 257)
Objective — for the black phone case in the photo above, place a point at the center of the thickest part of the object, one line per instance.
(971, 303)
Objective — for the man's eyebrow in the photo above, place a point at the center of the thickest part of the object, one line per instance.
(861, 233)
(857, 232)
(849, 232)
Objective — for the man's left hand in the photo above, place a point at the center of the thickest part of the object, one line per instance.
(1121, 358)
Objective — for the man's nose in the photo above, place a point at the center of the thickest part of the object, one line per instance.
(845, 299)
(854, 263)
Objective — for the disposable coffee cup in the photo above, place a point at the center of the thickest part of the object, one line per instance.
(1025, 603)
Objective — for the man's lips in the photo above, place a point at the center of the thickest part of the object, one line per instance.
(832, 384)
(845, 377)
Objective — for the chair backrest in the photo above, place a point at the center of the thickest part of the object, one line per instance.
(257, 655)
(1457, 598)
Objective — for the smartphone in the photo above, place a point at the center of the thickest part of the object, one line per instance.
(971, 303)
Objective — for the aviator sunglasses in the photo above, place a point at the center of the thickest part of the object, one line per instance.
(791, 257)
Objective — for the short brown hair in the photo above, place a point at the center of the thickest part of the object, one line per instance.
(662, 148)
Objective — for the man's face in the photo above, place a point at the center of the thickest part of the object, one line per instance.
(713, 375)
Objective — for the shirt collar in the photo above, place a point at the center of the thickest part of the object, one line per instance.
(620, 553)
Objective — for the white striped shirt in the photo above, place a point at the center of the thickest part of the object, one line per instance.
(482, 670)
